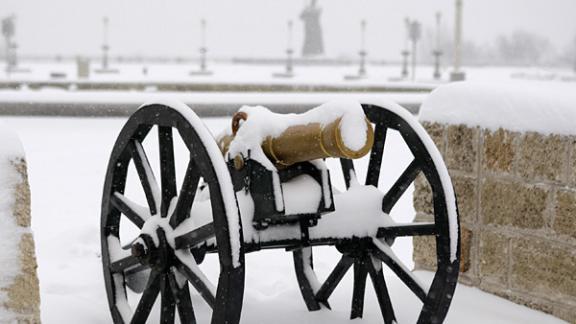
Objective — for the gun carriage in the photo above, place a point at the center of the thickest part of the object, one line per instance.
(265, 185)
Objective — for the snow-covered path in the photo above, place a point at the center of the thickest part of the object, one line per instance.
(67, 160)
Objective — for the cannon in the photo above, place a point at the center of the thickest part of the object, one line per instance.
(264, 183)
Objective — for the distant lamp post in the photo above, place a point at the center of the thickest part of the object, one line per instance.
(289, 54)
(415, 35)
(203, 50)
(406, 51)
(8, 31)
(438, 51)
(575, 55)
(105, 68)
(105, 45)
(457, 74)
(362, 53)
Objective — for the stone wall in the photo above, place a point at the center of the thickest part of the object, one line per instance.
(517, 200)
(19, 288)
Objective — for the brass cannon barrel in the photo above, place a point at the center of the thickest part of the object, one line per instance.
(300, 143)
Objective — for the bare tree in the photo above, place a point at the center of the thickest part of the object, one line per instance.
(523, 48)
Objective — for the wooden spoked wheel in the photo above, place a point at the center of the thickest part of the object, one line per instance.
(366, 255)
(175, 229)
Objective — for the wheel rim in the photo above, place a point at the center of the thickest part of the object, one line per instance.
(367, 255)
(171, 267)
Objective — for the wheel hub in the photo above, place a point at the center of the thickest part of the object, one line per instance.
(159, 256)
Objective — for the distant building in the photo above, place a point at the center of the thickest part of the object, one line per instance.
(313, 40)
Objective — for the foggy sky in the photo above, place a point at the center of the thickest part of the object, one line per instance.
(258, 27)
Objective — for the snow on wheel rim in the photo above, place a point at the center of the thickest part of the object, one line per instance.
(169, 246)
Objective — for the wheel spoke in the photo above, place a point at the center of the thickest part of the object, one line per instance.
(147, 300)
(348, 171)
(334, 279)
(385, 254)
(360, 274)
(167, 312)
(400, 186)
(167, 169)
(134, 212)
(183, 301)
(373, 174)
(149, 184)
(382, 294)
(195, 237)
(123, 264)
(303, 265)
(192, 272)
(187, 194)
(411, 229)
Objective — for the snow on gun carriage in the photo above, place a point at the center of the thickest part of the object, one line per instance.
(264, 184)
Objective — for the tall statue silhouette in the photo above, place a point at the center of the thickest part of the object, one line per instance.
(313, 41)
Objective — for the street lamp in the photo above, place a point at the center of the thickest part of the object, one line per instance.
(8, 31)
(437, 52)
(456, 74)
(289, 52)
(363, 52)
(406, 51)
(415, 35)
(203, 50)
(105, 46)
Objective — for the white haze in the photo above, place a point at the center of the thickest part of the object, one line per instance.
(258, 27)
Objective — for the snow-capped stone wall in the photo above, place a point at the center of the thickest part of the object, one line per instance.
(511, 152)
(19, 289)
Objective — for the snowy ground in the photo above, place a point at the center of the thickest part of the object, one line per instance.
(67, 160)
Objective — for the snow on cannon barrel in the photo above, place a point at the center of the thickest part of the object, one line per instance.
(332, 130)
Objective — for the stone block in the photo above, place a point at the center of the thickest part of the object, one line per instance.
(465, 249)
(462, 148)
(467, 196)
(572, 162)
(424, 253)
(513, 204)
(543, 269)
(499, 150)
(425, 249)
(422, 197)
(566, 312)
(542, 157)
(565, 213)
(436, 132)
(24, 294)
(22, 195)
(494, 256)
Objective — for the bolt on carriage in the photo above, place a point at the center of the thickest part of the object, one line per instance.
(262, 185)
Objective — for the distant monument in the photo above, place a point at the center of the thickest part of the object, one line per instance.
(313, 41)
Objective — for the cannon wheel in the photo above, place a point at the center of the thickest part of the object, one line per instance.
(366, 255)
(170, 267)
